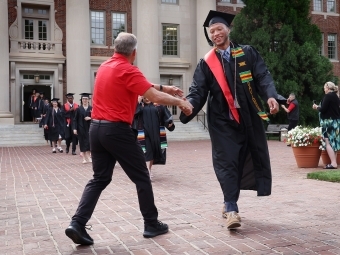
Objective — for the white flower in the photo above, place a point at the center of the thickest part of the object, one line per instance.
(304, 136)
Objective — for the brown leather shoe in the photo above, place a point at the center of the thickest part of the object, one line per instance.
(233, 220)
(225, 214)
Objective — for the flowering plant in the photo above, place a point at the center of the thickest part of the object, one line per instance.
(304, 136)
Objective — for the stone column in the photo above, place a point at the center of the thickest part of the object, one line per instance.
(78, 62)
(5, 115)
(202, 9)
(147, 34)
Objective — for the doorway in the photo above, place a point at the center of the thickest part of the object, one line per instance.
(26, 92)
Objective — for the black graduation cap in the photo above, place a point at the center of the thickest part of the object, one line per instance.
(85, 95)
(55, 99)
(69, 94)
(217, 17)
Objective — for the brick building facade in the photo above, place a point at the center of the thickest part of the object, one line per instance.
(64, 42)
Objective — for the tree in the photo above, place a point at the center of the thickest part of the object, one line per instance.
(289, 43)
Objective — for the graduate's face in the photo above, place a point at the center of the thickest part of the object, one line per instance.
(54, 104)
(70, 100)
(85, 100)
(146, 101)
(219, 34)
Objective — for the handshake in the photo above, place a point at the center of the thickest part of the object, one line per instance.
(185, 106)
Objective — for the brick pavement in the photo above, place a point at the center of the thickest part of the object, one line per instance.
(40, 191)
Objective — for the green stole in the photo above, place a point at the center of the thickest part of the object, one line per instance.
(246, 77)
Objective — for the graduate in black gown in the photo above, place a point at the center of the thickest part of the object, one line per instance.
(230, 79)
(81, 125)
(36, 107)
(55, 123)
(45, 108)
(152, 119)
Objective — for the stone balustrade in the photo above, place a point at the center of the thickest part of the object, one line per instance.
(36, 46)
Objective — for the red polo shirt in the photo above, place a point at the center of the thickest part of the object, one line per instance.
(116, 90)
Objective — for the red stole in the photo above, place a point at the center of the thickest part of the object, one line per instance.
(216, 68)
(67, 108)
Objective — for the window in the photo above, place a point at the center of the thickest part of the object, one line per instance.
(118, 24)
(97, 28)
(332, 46)
(170, 1)
(170, 40)
(330, 5)
(226, 1)
(318, 5)
(35, 23)
(239, 1)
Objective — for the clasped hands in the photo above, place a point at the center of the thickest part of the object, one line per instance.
(185, 106)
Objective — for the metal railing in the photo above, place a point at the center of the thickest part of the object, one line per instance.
(202, 118)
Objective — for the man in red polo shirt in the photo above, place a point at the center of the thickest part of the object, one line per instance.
(118, 84)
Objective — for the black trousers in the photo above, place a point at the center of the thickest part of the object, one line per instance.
(71, 139)
(292, 124)
(111, 142)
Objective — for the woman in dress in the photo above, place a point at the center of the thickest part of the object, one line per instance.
(81, 125)
(55, 123)
(330, 122)
(152, 118)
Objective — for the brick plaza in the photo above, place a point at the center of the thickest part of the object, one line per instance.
(40, 192)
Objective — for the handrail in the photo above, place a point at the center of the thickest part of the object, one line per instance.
(202, 117)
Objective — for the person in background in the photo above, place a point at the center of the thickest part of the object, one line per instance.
(46, 106)
(55, 123)
(81, 126)
(69, 110)
(35, 105)
(152, 119)
(330, 122)
(118, 84)
(30, 104)
(232, 77)
(292, 111)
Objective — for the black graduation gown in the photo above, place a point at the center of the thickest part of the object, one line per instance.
(59, 124)
(36, 107)
(82, 126)
(68, 127)
(239, 151)
(150, 118)
(42, 122)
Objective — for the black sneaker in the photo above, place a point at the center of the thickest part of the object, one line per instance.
(152, 230)
(78, 234)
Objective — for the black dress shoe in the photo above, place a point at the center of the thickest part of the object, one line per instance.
(67, 149)
(74, 153)
(78, 234)
(152, 230)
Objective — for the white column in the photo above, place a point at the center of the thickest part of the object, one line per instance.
(5, 116)
(147, 38)
(202, 9)
(78, 62)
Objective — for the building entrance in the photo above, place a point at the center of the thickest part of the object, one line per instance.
(26, 92)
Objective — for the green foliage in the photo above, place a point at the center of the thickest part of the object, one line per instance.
(289, 43)
(330, 176)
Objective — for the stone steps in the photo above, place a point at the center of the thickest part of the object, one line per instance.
(190, 131)
(32, 135)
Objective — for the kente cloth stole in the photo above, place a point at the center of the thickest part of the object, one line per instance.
(67, 108)
(216, 68)
(242, 69)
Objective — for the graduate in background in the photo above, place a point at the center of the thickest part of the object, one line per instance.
(35, 105)
(153, 118)
(69, 110)
(81, 125)
(55, 123)
(46, 106)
